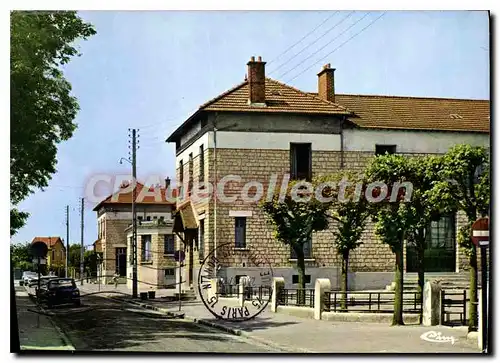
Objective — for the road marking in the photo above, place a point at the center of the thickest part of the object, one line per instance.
(436, 337)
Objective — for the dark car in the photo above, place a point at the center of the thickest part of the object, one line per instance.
(59, 291)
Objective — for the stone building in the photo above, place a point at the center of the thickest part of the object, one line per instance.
(262, 130)
(154, 236)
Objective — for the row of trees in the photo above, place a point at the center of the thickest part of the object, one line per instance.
(456, 181)
(22, 258)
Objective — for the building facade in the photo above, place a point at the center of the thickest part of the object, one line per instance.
(56, 253)
(114, 226)
(262, 131)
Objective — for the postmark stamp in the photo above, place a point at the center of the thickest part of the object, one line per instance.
(235, 302)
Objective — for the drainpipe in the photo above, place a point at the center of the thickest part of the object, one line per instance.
(215, 196)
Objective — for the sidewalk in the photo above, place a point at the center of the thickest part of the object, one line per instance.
(37, 331)
(296, 334)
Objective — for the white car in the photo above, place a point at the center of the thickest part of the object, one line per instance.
(28, 276)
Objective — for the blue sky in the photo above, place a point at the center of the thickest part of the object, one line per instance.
(151, 70)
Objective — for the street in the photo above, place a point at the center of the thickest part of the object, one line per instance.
(106, 325)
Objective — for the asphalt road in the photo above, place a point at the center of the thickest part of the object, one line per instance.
(106, 325)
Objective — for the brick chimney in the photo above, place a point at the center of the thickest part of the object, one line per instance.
(326, 83)
(256, 81)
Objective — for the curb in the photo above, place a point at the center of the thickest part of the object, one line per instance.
(230, 330)
(62, 335)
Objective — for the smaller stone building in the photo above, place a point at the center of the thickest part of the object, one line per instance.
(114, 226)
(156, 267)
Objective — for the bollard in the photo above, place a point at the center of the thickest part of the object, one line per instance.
(320, 287)
(278, 286)
(431, 305)
(241, 291)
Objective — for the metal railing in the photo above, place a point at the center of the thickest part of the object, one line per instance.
(454, 303)
(228, 290)
(370, 301)
(251, 292)
(261, 292)
(296, 297)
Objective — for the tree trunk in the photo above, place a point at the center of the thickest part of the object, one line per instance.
(397, 318)
(421, 273)
(301, 269)
(343, 287)
(473, 306)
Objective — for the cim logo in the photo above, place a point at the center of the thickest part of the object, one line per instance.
(437, 337)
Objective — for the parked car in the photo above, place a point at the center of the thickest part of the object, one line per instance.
(27, 276)
(59, 291)
(43, 282)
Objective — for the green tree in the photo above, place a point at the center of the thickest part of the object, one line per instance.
(348, 211)
(42, 109)
(21, 257)
(74, 255)
(294, 219)
(466, 189)
(391, 219)
(422, 208)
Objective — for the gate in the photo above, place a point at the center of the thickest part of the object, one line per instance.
(454, 307)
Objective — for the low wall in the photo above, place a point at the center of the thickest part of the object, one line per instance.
(368, 317)
(300, 311)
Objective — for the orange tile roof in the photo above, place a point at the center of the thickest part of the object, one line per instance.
(49, 241)
(126, 198)
(365, 111)
(279, 98)
(418, 113)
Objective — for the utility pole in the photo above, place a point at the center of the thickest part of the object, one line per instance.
(134, 217)
(81, 248)
(67, 241)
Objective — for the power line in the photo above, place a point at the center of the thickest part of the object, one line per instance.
(340, 46)
(310, 44)
(327, 44)
(301, 39)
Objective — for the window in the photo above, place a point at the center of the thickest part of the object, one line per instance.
(295, 279)
(53, 255)
(385, 149)
(181, 172)
(169, 244)
(148, 218)
(240, 224)
(300, 162)
(190, 172)
(201, 176)
(169, 272)
(146, 254)
(441, 234)
(307, 250)
(201, 240)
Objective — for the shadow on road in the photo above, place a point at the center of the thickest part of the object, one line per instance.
(110, 325)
